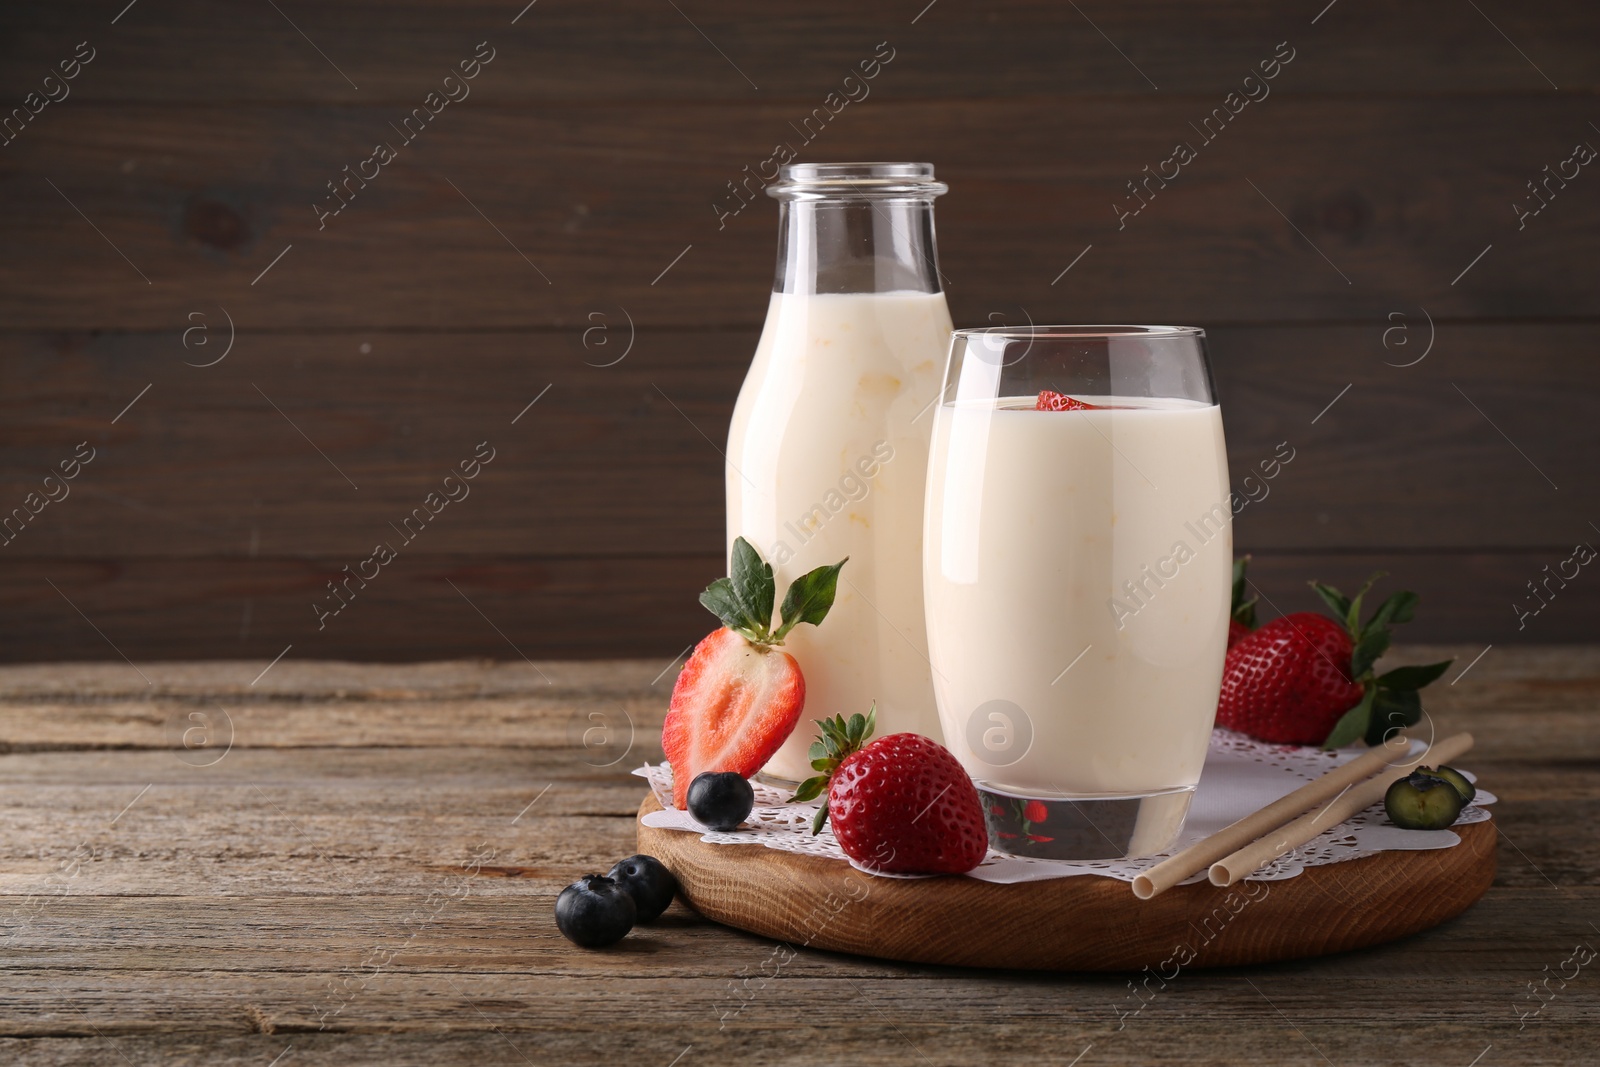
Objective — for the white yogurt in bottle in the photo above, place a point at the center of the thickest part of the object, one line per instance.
(827, 452)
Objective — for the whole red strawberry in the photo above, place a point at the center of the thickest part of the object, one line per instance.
(1307, 679)
(739, 697)
(902, 804)
(1289, 681)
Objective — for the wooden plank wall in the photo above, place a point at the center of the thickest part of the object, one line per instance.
(1362, 236)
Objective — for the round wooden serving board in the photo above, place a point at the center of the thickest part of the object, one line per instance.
(1084, 923)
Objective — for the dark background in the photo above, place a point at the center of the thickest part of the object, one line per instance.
(461, 282)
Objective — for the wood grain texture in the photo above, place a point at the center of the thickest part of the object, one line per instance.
(174, 187)
(208, 526)
(624, 460)
(1517, 701)
(1074, 924)
(564, 51)
(500, 607)
(214, 919)
(155, 609)
(594, 203)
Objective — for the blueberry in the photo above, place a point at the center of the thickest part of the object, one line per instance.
(1455, 778)
(595, 912)
(1422, 802)
(721, 800)
(647, 880)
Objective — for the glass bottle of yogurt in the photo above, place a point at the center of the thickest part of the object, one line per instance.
(828, 450)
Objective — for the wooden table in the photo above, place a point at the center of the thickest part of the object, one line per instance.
(367, 874)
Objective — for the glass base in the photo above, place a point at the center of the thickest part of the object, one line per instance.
(777, 781)
(1087, 827)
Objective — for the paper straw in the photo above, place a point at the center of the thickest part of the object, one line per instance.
(1200, 855)
(1357, 798)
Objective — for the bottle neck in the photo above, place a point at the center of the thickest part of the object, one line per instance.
(857, 245)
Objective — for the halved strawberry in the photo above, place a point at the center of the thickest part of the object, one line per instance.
(1050, 400)
(738, 698)
(733, 706)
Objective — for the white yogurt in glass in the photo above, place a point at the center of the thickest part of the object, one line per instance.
(1080, 577)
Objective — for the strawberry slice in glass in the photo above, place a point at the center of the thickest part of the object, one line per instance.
(1050, 400)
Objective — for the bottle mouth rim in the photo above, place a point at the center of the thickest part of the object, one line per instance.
(856, 181)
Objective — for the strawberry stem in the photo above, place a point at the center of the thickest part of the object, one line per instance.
(1243, 611)
(1389, 702)
(838, 740)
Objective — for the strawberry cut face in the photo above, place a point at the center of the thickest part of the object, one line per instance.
(733, 706)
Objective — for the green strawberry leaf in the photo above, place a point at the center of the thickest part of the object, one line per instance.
(1352, 619)
(751, 578)
(810, 789)
(1333, 598)
(833, 746)
(1373, 644)
(1413, 677)
(1243, 611)
(720, 599)
(839, 739)
(1400, 607)
(810, 597)
(1353, 724)
(1393, 710)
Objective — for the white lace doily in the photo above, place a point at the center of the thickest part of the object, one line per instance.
(1241, 776)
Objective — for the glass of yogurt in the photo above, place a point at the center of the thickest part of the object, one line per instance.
(1077, 553)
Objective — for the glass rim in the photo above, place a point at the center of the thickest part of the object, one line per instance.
(1078, 333)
